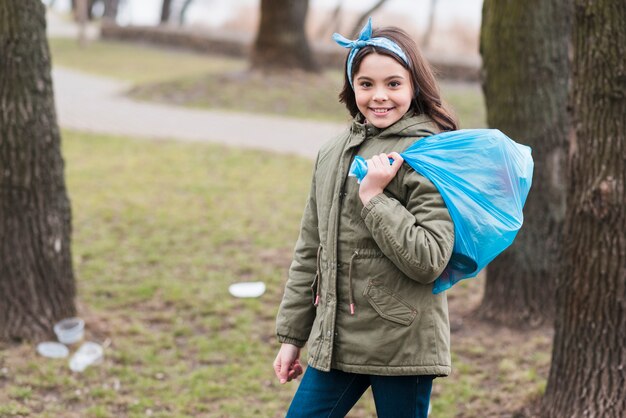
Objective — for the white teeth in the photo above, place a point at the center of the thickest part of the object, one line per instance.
(380, 110)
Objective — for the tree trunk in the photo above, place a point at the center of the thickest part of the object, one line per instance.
(281, 42)
(430, 26)
(82, 6)
(334, 21)
(166, 7)
(588, 373)
(363, 18)
(36, 279)
(110, 10)
(525, 76)
(183, 12)
(88, 9)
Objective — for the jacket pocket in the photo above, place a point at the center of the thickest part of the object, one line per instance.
(389, 305)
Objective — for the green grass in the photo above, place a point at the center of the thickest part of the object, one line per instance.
(293, 94)
(467, 101)
(136, 63)
(161, 229)
(214, 82)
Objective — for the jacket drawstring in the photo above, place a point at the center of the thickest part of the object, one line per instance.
(319, 277)
(350, 295)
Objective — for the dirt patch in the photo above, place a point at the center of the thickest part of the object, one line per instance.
(509, 367)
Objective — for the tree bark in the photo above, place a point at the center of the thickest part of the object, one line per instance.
(525, 77)
(36, 278)
(281, 42)
(588, 372)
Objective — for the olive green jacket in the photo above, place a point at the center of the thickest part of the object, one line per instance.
(382, 259)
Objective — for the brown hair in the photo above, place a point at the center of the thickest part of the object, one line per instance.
(427, 99)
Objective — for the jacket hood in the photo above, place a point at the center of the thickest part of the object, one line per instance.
(410, 125)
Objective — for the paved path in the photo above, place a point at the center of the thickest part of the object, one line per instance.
(97, 104)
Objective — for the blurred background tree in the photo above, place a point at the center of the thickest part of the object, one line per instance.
(36, 277)
(524, 47)
(110, 9)
(281, 42)
(333, 24)
(364, 16)
(76, 6)
(183, 12)
(588, 371)
(166, 8)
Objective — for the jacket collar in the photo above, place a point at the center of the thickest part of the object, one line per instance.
(409, 125)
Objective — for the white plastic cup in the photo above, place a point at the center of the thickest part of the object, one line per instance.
(52, 349)
(247, 289)
(89, 353)
(69, 330)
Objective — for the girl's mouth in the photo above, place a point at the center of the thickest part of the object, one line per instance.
(380, 111)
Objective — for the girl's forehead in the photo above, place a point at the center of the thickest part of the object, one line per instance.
(379, 65)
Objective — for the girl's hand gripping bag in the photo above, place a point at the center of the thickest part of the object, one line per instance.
(484, 177)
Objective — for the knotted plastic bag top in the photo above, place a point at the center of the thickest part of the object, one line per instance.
(484, 178)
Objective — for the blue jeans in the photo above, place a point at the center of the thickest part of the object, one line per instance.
(332, 394)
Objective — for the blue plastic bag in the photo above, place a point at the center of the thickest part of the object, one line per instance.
(484, 178)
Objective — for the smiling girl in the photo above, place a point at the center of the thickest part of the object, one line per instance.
(360, 285)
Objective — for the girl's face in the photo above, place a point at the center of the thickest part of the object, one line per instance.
(383, 90)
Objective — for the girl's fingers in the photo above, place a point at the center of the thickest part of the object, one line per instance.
(397, 162)
(297, 368)
(375, 162)
(383, 160)
(397, 158)
(380, 162)
(295, 371)
(284, 370)
(277, 367)
(294, 374)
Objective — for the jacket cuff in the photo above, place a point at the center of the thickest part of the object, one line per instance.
(379, 198)
(288, 340)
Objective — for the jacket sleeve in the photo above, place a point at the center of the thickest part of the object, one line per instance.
(297, 312)
(417, 237)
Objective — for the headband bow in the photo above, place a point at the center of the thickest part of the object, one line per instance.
(365, 39)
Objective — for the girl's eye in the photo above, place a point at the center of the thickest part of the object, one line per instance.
(366, 84)
(394, 84)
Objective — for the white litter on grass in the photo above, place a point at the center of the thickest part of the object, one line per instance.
(89, 353)
(52, 349)
(247, 289)
(70, 330)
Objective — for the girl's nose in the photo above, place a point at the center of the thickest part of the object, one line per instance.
(380, 95)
